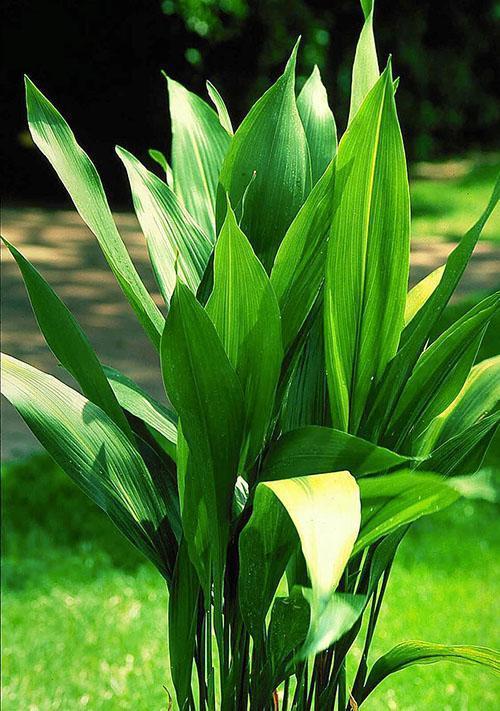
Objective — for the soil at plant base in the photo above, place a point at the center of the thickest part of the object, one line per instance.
(68, 256)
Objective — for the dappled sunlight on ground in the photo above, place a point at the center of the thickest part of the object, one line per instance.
(68, 256)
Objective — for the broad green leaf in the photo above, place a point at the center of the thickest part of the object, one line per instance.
(440, 373)
(319, 124)
(243, 308)
(393, 500)
(177, 246)
(417, 332)
(221, 108)
(299, 268)
(323, 512)
(365, 71)
(57, 142)
(182, 619)
(99, 458)
(206, 393)
(159, 158)
(367, 271)
(408, 653)
(68, 342)
(420, 293)
(316, 450)
(331, 618)
(479, 396)
(464, 452)
(199, 144)
(271, 143)
(139, 403)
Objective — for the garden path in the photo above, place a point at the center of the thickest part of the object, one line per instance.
(68, 256)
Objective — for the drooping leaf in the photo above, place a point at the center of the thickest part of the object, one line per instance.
(440, 373)
(414, 337)
(57, 142)
(177, 246)
(479, 397)
(393, 500)
(221, 108)
(206, 393)
(299, 268)
(365, 71)
(199, 144)
(367, 271)
(315, 450)
(99, 458)
(68, 342)
(321, 512)
(271, 143)
(139, 403)
(420, 293)
(408, 653)
(159, 158)
(245, 312)
(319, 124)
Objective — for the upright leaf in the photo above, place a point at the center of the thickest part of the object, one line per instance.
(368, 255)
(95, 453)
(271, 143)
(57, 142)
(420, 293)
(159, 158)
(68, 342)
(243, 307)
(319, 124)
(177, 246)
(221, 108)
(199, 144)
(408, 653)
(299, 268)
(365, 71)
(417, 332)
(206, 393)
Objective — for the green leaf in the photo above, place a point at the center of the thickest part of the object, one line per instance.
(206, 393)
(68, 342)
(365, 71)
(177, 246)
(367, 273)
(159, 158)
(139, 403)
(393, 500)
(99, 458)
(182, 619)
(57, 142)
(243, 307)
(199, 144)
(420, 293)
(419, 329)
(408, 653)
(478, 398)
(299, 268)
(323, 512)
(440, 373)
(221, 108)
(272, 143)
(316, 450)
(319, 124)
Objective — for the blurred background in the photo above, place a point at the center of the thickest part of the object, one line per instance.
(83, 613)
(99, 61)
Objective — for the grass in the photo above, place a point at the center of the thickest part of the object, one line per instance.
(84, 615)
(448, 197)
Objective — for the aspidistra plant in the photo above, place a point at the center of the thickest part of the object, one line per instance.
(312, 416)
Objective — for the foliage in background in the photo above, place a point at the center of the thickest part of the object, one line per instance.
(313, 413)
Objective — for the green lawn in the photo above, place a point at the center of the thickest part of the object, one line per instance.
(447, 198)
(84, 616)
